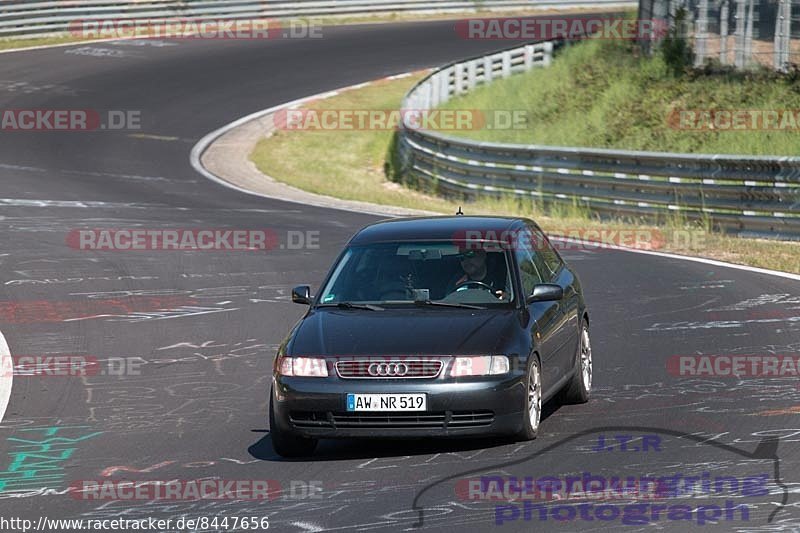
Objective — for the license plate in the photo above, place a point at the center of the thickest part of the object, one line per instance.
(387, 402)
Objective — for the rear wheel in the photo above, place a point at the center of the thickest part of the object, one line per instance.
(579, 387)
(532, 414)
(288, 444)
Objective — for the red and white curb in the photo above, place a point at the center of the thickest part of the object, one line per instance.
(202, 145)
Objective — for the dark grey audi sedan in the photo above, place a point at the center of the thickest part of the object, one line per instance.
(439, 326)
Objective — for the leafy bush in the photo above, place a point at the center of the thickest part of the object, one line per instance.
(675, 49)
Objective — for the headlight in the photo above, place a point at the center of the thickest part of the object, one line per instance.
(307, 367)
(484, 365)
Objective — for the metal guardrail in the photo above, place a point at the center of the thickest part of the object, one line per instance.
(37, 17)
(743, 194)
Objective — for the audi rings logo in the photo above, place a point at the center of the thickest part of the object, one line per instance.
(387, 369)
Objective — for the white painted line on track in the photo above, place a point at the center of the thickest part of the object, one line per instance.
(6, 375)
(206, 141)
(79, 42)
(703, 260)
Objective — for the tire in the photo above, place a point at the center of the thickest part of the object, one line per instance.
(532, 415)
(287, 444)
(579, 387)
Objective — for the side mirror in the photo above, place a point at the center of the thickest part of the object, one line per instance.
(546, 292)
(301, 294)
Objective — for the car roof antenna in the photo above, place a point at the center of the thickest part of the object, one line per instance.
(460, 212)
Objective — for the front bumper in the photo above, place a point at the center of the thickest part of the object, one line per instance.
(315, 407)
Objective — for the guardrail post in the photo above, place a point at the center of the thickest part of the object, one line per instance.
(528, 57)
(444, 86)
(427, 102)
(458, 77)
(506, 63)
(472, 74)
(548, 54)
(488, 69)
(435, 85)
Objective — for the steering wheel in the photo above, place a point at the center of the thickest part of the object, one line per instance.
(478, 284)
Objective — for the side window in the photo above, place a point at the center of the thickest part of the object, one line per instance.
(547, 255)
(529, 271)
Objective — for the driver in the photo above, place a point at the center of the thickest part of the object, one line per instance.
(476, 269)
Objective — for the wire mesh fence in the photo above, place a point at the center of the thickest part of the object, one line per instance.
(743, 33)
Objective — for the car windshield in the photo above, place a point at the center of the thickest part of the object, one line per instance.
(420, 272)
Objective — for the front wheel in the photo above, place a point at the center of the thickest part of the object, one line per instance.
(532, 414)
(287, 444)
(579, 387)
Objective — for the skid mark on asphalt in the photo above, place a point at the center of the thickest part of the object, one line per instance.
(43, 278)
(724, 324)
(120, 176)
(37, 311)
(143, 43)
(308, 526)
(24, 202)
(52, 281)
(93, 51)
(154, 137)
(716, 284)
(780, 412)
(763, 300)
(682, 310)
(89, 204)
(6, 378)
(141, 316)
(24, 87)
(21, 168)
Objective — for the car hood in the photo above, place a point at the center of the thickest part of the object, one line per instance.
(403, 332)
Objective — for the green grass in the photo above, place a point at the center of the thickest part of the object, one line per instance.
(350, 165)
(600, 94)
(9, 44)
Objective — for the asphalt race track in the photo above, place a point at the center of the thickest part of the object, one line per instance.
(203, 327)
